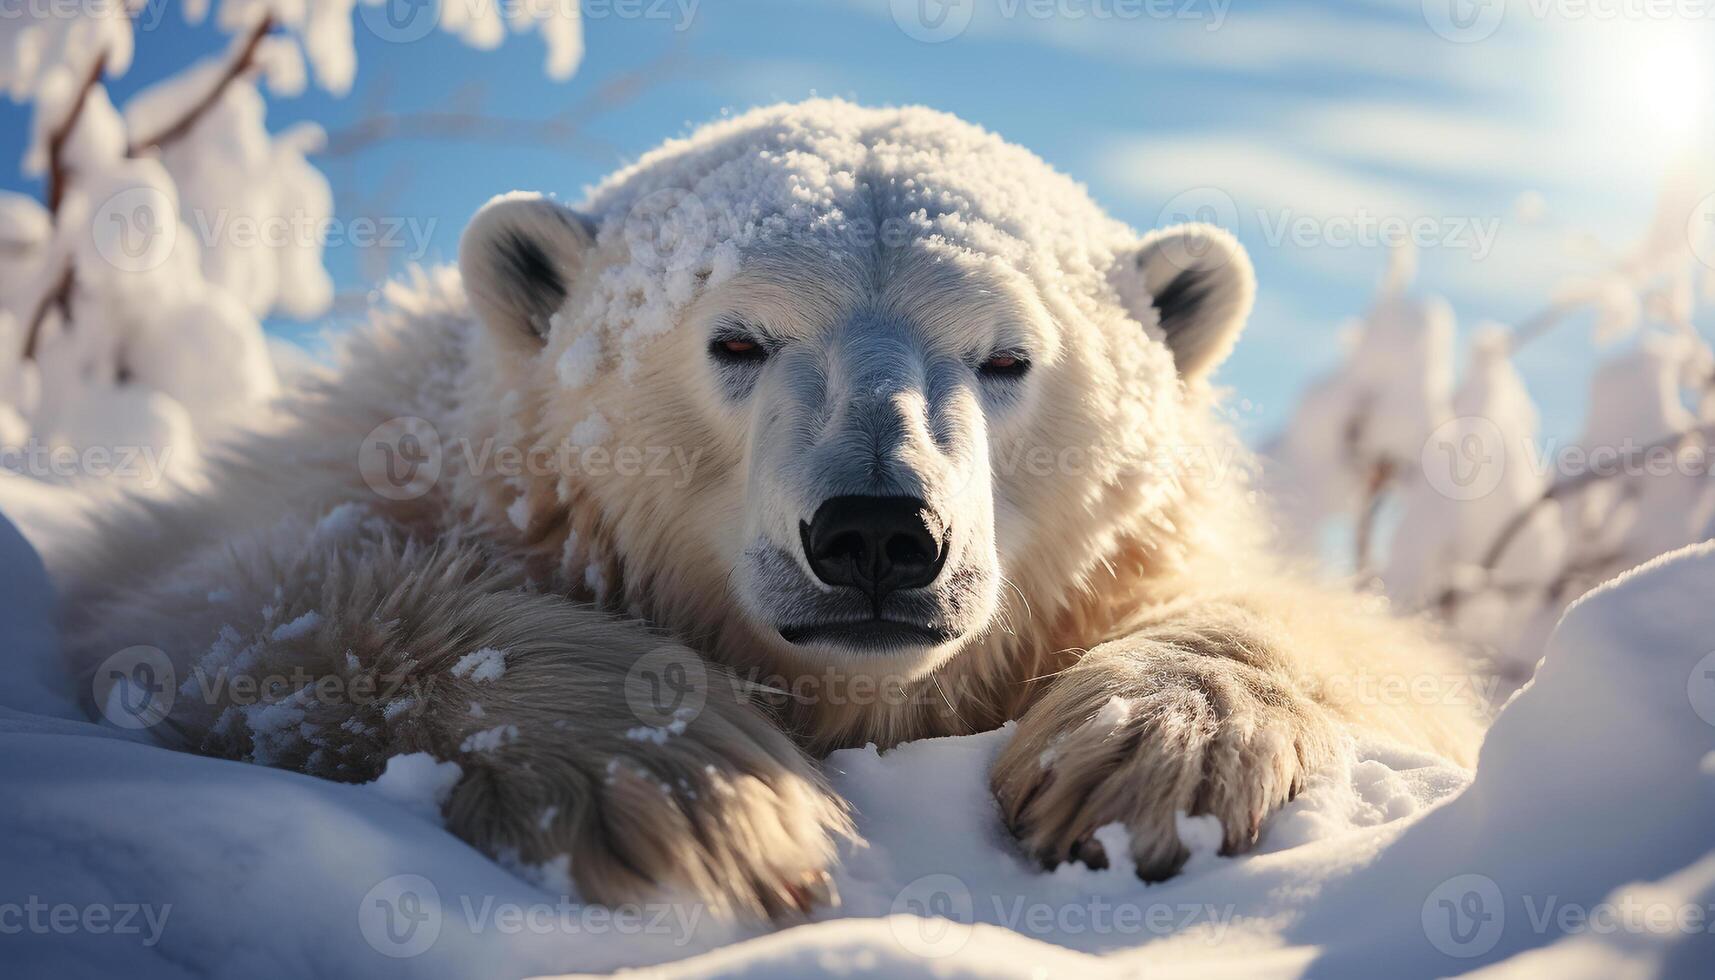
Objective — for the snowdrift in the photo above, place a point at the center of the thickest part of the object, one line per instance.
(1583, 846)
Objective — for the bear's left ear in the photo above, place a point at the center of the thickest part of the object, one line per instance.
(1199, 281)
(518, 258)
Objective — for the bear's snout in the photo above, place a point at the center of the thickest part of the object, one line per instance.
(877, 545)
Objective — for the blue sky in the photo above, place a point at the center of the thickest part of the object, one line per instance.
(1305, 126)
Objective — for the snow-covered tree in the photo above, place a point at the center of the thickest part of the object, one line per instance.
(1492, 531)
(131, 294)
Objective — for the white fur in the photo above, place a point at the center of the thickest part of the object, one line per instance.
(1128, 565)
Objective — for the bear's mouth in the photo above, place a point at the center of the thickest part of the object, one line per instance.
(868, 635)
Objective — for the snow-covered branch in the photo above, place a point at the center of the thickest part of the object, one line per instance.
(242, 61)
(131, 293)
(1492, 532)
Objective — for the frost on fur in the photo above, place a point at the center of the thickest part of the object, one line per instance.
(632, 654)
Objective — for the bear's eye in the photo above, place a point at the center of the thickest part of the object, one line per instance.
(737, 350)
(1004, 364)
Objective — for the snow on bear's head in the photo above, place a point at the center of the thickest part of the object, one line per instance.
(845, 385)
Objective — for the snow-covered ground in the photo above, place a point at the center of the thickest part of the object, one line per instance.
(1583, 846)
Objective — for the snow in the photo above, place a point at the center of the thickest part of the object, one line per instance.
(592, 431)
(1378, 449)
(577, 366)
(1580, 847)
(489, 739)
(487, 664)
(298, 628)
(419, 782)
(178, 241)
(659, 734)
(689, 209)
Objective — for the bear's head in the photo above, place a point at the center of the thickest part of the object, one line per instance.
(827, 384)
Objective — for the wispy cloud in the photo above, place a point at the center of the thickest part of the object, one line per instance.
(1435, 141)
(1255, 170)
(1365, 40)
(1323, 211)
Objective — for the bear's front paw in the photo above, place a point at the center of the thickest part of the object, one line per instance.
(722, 812)
(1138, 744)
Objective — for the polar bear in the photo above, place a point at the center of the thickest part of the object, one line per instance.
(822, 426)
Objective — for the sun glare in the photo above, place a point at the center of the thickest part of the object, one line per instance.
(1646, 86)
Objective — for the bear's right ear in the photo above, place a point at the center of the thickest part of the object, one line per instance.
(1199, 282)
(518, 258)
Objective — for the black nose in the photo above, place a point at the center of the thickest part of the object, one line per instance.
(877, 544)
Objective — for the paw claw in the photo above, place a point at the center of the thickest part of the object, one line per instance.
(1091, 853)
(815, 890)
